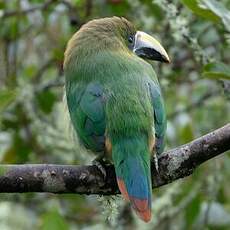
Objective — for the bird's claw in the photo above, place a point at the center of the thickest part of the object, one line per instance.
(155, 158)
(100, 163)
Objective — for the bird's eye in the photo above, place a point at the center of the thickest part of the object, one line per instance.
(130, 39)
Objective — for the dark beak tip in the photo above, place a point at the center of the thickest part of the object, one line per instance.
(166, 60)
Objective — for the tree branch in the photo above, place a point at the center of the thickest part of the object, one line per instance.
(173, 164)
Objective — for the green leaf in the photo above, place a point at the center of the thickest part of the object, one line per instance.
(196, 8)
(9, 30)
(210, 9)
(30, 71)
(58, 54)
(18, 152)
(2, 5)
(216, 70)
(46, 100)
(118, 8)
(186, 133)
(6, 98)
(218, 9)
(53, 220)
(192, 210)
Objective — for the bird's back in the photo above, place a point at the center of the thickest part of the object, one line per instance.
(109, 94)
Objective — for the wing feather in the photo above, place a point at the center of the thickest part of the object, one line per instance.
(87, 112)
(159, 115)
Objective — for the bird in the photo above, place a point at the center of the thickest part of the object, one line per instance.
(115, 101)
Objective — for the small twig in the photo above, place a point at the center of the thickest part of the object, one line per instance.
(53, 84)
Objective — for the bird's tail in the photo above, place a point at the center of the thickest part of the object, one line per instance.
(131, 158)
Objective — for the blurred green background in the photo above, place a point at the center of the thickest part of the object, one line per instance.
(34, 126)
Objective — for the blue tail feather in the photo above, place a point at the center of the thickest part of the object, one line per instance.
(132, 164)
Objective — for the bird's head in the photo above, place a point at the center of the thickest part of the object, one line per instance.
(115, 33)
(140, 43)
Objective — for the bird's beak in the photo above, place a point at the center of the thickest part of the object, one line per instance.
(148, 47)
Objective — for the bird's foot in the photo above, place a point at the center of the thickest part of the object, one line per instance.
(100, 162)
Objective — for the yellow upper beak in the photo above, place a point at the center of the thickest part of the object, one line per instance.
(148, 47)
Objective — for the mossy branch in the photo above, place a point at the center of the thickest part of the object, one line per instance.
(173, 164)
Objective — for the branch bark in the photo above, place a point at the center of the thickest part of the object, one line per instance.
(173, 164)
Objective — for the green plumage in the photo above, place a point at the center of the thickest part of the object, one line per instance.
(129, 85)
(113, 94)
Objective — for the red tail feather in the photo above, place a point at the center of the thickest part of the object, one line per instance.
(122, 188)
(140, 206)
(145, 216)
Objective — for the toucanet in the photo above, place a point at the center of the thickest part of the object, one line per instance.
(115, 101)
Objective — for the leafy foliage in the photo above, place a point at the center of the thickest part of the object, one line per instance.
(216, 70)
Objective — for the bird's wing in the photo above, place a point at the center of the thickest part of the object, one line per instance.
(86, 107)
(159, 115)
